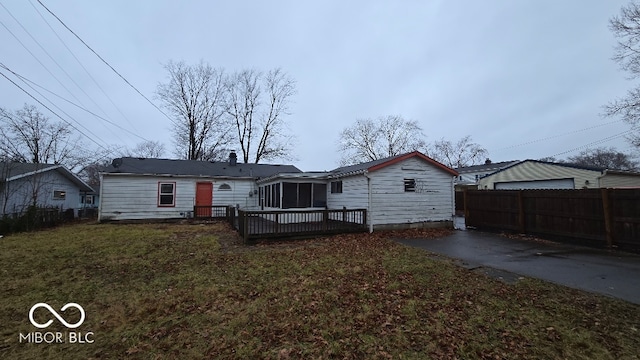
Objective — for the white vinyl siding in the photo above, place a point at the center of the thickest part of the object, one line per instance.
(45, 185)
(619, 180)
(132, 197)
(431, 201)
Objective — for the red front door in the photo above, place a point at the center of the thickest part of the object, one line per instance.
(204, 198)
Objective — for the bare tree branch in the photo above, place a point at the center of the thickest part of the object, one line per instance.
(194, 96)
(626, 28)
(256, 104)
(29, 136)
(370, 139)
(460, 154)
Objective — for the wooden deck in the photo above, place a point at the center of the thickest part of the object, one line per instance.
(282, 224)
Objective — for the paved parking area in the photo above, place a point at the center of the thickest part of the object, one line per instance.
(606, 272)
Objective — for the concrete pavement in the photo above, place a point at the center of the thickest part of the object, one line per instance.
(601, 271)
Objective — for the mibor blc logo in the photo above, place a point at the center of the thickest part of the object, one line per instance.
(57, 337)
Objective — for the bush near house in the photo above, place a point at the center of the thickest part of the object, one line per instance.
(34, 218)
(188, 291)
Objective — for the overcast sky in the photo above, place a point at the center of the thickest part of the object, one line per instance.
(526, 79)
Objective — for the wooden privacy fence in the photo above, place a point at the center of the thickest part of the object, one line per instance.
(603, 217)
(269, 224)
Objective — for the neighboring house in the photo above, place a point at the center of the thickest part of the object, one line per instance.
(139, 188)
(534, 174)
(43, 185)
(406, 189)
(469, 176)
(409, 189)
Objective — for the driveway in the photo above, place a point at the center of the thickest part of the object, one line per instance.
(606, 272)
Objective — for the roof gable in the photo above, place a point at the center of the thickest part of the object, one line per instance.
(382, 163)
(15, 171)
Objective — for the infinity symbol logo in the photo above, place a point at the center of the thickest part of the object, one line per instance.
(46, 306)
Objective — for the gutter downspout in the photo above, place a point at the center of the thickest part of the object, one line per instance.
(369, 208)
(100, 198)
(453, 198)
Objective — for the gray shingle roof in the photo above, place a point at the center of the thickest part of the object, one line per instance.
(370, 165)
(485, 167)
(15, 170)
(144, 166)
(11, 169)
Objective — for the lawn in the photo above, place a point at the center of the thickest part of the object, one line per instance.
(157, 291)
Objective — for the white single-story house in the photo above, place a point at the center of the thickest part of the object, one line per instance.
(535, 174)
(408, 189)
(399, 191)
(140, 188)
(43, 185)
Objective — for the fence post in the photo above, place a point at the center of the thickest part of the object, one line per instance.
(325, 218)
(608, 216)
(364, 218)
(465, 208)
(344, 214)
(521, 219)
(277, 223)
(245, 224)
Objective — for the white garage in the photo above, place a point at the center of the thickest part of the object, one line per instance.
(535, 184)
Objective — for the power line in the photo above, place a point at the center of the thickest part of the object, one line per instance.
(609, 138)
(104, 61)
(40, 62)
(559, 135)
(53, 112)
(24, 79)
(83, 67)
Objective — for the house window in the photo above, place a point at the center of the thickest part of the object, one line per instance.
(302, 195)
(409, 185)
(224, 187)
(167, 194)
(275, 195)
(59, 194)
(336, 187)
(88, 199)
(477, 176)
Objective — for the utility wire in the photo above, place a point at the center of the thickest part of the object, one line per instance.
(609, 138)
(83, 67)
(53, 112)
(105, 62)
(559, 135)
(24, 79)
(52, 59)
(40, 62)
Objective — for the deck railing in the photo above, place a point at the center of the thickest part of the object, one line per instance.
(270, 224)
(211, 212)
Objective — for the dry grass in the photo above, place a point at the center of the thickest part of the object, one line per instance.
(171, 291)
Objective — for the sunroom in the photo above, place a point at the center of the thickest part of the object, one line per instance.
(293, 191)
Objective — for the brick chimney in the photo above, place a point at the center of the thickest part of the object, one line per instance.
(233, 158)
(487, 162)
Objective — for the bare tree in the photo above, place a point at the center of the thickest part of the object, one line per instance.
(626, 28)
(460, 154)
(147, 149)
(193, 94)
(608, 158)
(256, 104)
(26, 135)
(373, 139)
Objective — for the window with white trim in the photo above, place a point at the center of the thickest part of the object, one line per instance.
(167, 194)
